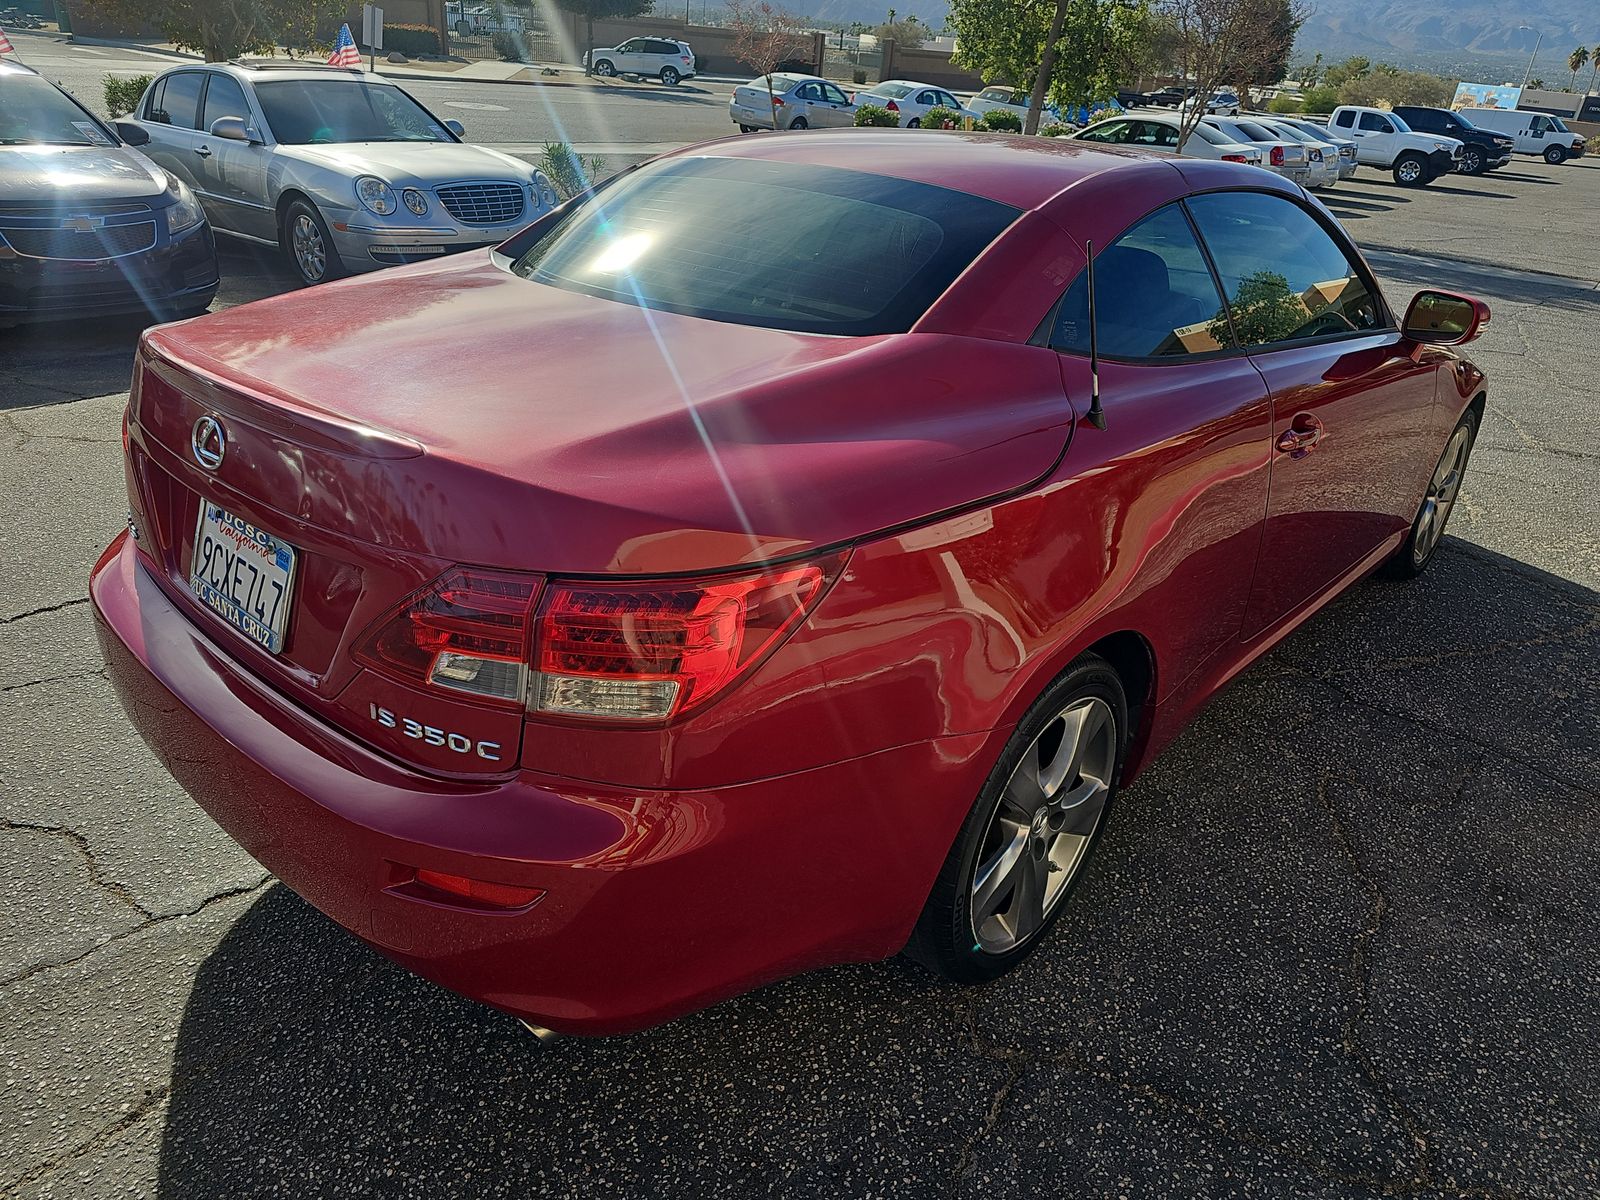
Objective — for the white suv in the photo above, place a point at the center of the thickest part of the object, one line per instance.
(656, 57)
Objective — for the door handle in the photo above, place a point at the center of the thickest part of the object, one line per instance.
(1302, 436)
(203, 151)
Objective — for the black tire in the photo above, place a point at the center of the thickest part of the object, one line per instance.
(1555, 155)
(799, 123)
(1473, 161)
(914, 123)
(1422, 544)
(946, 939)
(747, 129)
(670, 76)
(1411, 170)
(605, 68)
(303, 257)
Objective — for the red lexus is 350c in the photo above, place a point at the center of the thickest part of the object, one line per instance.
(777, 557)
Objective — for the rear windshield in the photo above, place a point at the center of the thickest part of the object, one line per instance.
(1211, 136)
(1260, 132)
(780, 245)
(892, 90)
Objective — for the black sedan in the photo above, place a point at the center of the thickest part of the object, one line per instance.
(88, 225)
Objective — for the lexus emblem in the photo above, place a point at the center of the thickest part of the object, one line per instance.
(208, 443)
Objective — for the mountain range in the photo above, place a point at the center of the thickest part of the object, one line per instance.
(1468, 37)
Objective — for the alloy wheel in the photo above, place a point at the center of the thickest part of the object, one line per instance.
(1041, 830)
(310, 252)
(1441, 497)
(1409, 171)
(1472, 162)
(669, 76)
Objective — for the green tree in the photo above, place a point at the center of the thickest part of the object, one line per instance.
(1309, 75)
(224, 29)
(1231, 42)
(603, 10)
(1576, 61)
(1351, 68)
(1070, 51)
(907, 34)
(1390, 85)
(1267, 59)
(1320, 100)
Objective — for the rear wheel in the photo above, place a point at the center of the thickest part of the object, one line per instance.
(1027, 840)
(605, 68)
(1555, 155)
(1472, 161)
(747, 129)
(799, 123)
(670, 76)
(310, 245)
(914, 123)
(1427, 529)
(1411, 170)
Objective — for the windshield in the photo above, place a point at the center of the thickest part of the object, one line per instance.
(308, 112)
(33, 113)
(892, 90)
(1399, 123)
(774, 244)
(1556, 123)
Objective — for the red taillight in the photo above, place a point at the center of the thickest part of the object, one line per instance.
(1277, 156)
(777, 102)
(466, 632)
(892, 106)
(654, 651)
(613, 651)
(1234, 158)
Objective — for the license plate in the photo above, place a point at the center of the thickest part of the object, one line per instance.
(243, 574)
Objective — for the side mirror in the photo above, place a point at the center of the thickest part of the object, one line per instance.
(231, 128)
(455, 127)
(1444, 318)
(131, 133)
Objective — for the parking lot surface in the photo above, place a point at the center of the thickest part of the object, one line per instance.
(1343, 940)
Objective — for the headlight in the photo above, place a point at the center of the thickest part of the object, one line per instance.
(1442, 146)
(375, 195)
(544, 192)
(184, 212)
(414, 200)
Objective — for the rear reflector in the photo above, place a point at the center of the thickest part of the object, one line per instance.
(479, 891)
(649, 652)
(1234, 158)
(1277, 156)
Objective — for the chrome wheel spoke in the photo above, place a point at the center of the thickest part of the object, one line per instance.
(996, 877)
(1025, 792)
(1080, 808)
(1028, 909)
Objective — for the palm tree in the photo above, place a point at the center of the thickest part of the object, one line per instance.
(1576, 61)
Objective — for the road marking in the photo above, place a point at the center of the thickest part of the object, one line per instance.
(472, 104)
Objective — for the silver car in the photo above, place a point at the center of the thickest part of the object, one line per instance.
(343, 171)
(795, 102)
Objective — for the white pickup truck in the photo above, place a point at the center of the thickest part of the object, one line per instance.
(1385, 141)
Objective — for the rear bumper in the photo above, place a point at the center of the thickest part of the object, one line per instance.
(656, 903)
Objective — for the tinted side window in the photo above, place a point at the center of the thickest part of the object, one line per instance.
(833, 95)
(808, 91)
(1376, 123)
(1346, 119)
(1284, 275)
(1154, 296)
(153, 111)
(1111, 131)
(224, 98)
(181, 100)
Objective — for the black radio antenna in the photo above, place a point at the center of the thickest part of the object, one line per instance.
(1097, 415)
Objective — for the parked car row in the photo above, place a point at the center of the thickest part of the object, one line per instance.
(343, 171)
(799, 101)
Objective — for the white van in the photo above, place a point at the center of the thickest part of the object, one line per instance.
(1533, 133)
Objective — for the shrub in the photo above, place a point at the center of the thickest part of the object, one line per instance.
(1284, 103)
(859, 75)
(1592, 146)
(567, 171)
(1321, 100)
(122, 95)
(998, 120)
(1054, 129)
(412, 40)
(509, 47)
(876, 115)
(940, 117)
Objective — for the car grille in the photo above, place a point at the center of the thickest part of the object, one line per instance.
(110, 242)
(483, 203)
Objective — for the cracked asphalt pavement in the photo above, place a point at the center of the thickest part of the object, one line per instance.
(1343, 940)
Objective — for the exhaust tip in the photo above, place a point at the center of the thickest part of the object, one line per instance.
(539, 1031)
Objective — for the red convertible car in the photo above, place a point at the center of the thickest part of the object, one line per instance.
(779, 556)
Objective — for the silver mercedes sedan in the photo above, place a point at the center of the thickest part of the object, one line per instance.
(344, 171)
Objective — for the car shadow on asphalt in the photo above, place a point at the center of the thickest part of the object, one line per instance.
(1339, 937)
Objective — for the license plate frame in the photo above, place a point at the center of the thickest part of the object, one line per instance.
(263, 563)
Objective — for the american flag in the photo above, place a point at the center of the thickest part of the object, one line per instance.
(5, 44)
(345, 53)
